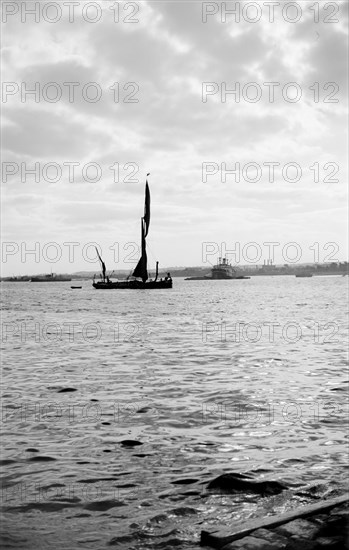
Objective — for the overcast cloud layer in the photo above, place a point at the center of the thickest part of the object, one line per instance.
(171, 131)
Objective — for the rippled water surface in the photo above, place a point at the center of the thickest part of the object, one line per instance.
(209, 377)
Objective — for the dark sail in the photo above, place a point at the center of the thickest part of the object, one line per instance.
(102, 264)
(146, 216)
(141, 267)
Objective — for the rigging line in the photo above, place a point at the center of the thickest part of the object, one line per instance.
(130, 274)
(149, 249)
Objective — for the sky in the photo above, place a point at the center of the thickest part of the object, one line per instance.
(126, 88)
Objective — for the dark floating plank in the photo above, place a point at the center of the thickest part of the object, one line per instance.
(221, 536)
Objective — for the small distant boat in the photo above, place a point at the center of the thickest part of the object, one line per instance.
(76, 287)
(304, 274)
(140, 279)
(14, 279)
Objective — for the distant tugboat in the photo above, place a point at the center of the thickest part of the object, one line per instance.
(222, 270)
(140, 272)
(50, 278)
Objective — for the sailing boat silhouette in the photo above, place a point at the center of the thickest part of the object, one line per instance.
(140, 279)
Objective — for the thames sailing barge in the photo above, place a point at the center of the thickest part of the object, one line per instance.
(140, 279)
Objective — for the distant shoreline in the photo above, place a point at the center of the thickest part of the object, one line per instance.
(341, 268)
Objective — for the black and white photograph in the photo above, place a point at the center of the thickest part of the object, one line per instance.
(174, 275)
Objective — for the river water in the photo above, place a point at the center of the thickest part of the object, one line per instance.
(210, 377)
